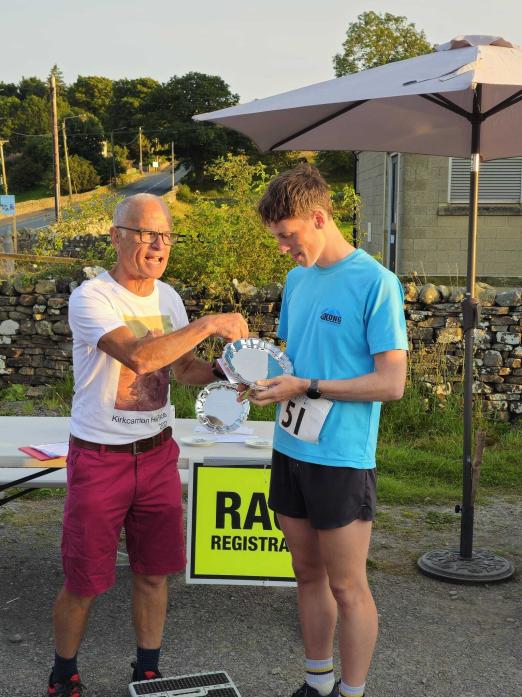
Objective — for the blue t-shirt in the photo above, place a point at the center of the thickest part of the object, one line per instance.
(334, 320)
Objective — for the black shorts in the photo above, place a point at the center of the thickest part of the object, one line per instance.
(330, 497)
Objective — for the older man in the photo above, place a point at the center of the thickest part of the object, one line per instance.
(129, 329)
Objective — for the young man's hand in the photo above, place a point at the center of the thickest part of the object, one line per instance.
(278, 389)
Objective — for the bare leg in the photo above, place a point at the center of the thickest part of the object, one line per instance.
(317, 606)
(149, 609)
(70, 616)
(344, 551)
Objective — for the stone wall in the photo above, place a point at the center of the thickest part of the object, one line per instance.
(433, 316)
(36, 348)
(79, 247)
(35, 338)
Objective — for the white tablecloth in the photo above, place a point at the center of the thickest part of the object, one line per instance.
(16, 431)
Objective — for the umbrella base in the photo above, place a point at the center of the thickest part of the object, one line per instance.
(483, 567)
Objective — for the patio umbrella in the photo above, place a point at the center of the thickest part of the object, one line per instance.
(464, 100)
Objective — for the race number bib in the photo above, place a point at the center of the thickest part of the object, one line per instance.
(303, 418)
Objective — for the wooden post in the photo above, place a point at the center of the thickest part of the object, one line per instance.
(172, 166)
(141, 155)
(66, 155)
(4, 176)
(56, 149)
(15, 235)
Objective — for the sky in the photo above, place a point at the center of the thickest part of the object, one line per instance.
(259, 47)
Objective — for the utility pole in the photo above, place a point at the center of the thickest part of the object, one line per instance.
(66, 154)
(4, 176)
(56, 149)
(172, 166)
(113, 160)
(141, 155)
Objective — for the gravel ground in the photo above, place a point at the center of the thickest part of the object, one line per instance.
(436, 639)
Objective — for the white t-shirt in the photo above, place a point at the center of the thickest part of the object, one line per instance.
(111, 403)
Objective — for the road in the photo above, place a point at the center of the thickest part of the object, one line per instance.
(154, 184)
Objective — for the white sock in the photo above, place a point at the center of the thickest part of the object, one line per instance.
(320, 675)
(346, 690)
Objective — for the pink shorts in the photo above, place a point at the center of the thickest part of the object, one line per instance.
(107, 491)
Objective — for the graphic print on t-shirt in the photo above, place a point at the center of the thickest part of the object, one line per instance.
(144, 392)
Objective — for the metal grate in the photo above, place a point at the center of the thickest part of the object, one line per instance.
(211, 684)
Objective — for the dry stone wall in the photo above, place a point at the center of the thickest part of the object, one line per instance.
(36, 344)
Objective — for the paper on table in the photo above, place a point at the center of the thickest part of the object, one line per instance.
(241, 431)
(52, 449)
(230, 437)
(240, 435)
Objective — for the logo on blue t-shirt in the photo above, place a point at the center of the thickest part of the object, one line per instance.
(331, 315)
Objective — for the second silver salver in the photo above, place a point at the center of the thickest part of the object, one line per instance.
(218, 410)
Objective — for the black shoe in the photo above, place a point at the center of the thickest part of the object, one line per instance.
(139, 675)
(71, 688)
(307, 690)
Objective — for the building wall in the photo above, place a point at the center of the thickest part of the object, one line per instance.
(432, 232)
(371, 183)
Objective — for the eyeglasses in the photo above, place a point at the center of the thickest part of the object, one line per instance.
(151, 236)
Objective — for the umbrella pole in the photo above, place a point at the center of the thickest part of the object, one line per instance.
(466, 565)
(470, 320)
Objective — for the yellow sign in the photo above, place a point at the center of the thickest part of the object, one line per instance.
(233, 536)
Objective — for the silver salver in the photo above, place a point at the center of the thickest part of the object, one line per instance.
(249, 360)
(218, 410)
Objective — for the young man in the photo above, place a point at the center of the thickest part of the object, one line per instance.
(128, 330)
(343, 322)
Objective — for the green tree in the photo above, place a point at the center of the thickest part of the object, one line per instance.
(8, 89)
(375, 39)
(169, 111)
(85, 136)
(32, 86)
(25, 174)
(92, 94)
(33, 166)
(335, 163)
(105, 167)
(8, 109)
(125, 111)
(197, 93)
(60, 82)
(33, 117)
(83, 175)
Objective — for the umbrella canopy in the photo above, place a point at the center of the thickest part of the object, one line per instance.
(463, 100)
(397, 107)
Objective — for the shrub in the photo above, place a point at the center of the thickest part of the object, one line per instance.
(90, 217)
(223, 241)
(83, 175)
(184, 193)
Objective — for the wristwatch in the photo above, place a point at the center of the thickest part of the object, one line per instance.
(313, 392)
(216, 370)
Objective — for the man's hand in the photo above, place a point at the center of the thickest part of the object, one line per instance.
(231, 326)
(278, 389)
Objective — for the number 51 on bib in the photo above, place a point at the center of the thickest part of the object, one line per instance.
(304, 418)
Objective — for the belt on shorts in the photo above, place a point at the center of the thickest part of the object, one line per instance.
(139, 446)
